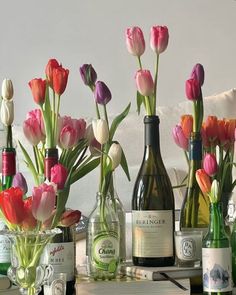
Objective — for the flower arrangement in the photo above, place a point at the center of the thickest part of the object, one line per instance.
(146, 85)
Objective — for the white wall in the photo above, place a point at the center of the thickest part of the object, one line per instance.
(77, 32)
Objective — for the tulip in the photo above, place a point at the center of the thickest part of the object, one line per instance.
(95, 148)
(12, 205)
(68, 137)
(59, 175)
(205, 139)
(7, 112)
(100, 130)
(135, 41)
(80, 127)
(179, 137)
(19, 181)
(230, 129)
(221, 132)
(88, 75)
(70, 217)
(198, 73)
(52, 64)
(37, 114)
(203, 181)
(211, 128)
(115, 153)
(29, 221)
(32, 131)
(187, 125)
(214, 195)
(7, 89)
(38, 88)
(192, 89)
(210, 164)
(43, 201)
(144, 82)
(89, 136)
(102, 93)
(60, 77)
(159, 38)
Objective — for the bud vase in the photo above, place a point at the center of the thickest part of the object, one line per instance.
(103, 240)
(26, 249)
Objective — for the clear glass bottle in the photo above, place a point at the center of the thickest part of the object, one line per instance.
(216, 256)
(103, 240)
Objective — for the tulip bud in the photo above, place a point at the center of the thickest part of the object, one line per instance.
(135, 41)
(102, 93)
(38, 88)
(89, 136)
(59, 175)
(210, 164)
(179, 137)
(29, 221)
(198, 73)
(32, 131)
(144, 82)
(7, 89)
(115, 153)
(159, 38)
(203, 181)
(214, 195)
(68, 137)
(192, 89)
(52, 64)
(60, 77)
(222, 132)
(88, 74)
(211, 128)
(70, 217)
(7, 112)
(100, 130)
(19, 181)
(187, 125)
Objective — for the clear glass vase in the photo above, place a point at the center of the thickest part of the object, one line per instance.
(26, 271)
(103, 240)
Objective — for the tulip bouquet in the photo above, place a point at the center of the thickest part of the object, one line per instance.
(146, 85)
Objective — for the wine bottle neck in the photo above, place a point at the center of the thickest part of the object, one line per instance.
(51, 159)
(151, 133)
(8, 167)
(195, 147)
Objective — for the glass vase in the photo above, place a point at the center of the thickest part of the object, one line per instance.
(26, 271)
(103, 240)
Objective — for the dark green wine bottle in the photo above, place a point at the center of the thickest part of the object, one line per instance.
(152, 205)
(216, 256)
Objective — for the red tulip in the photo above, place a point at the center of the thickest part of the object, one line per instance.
(59, 175)
(70, 217)
(60, 77)
(159, 38)
(12, 205)
(38, 88)
(192, 89)
(135, 41)
(144, 82)
(187, 125)
(29, 221)
(179, 137)
(203, 181)
(210, 164)
(52, 64)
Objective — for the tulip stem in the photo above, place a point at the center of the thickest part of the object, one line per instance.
(53, 110)
(147, 104)
(101, 170)
(155, 83)
(105, 114)
(140, 63)
(56, 121)
(97, 111)
(36, 158)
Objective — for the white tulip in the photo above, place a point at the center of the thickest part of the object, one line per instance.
(7, 89)
(100, 130)
(89, 136)
(215, 191)
(7, 112)
(115, 153)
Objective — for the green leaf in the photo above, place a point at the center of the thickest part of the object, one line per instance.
(117, 120)
(140, 99)
(124, 165)
(82, 171)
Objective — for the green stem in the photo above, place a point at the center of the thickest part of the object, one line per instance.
(195, 115)
(97, 111)
(186, 157)
(147, 105)
(56, 119)
(101, 171)
(36, 158)
(139, 62)
(155, 83)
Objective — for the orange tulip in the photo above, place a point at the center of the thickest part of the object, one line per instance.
(230, 129)
(211, 128)
(222, 134)
(60, 77)
(187, 125)
(203, 181)
(205, 139)
(38, 88)
(52, 64)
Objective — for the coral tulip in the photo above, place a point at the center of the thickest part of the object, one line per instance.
(192, 89)
(60, 77)
(100, 130)
(7, 112)
(144, 82)
(7, 89)
(203, 181)
(179, 137)
(198, 73)
(88, 75)
(115, 153)
(135, 41)
(12, 205)
(211, 128)
(43, 201)
(210, 164)
(187, 125)
(102, 93)
(52, 64)
(38, 88)
(32, 131)
(159, 38)
(29, 221)
(19, 181)
(59, 175)
(70, 217)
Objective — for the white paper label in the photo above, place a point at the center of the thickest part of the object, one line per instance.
(216, 269)
(61, 257)
(152, 233)
(5, 246)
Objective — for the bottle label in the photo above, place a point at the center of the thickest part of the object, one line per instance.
(5, 246)
(8, 163)
(61, 257)
(216, 269)
(106, 251)
(152, 233)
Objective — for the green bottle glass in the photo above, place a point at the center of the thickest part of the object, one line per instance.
(216, 256)
(152, 205)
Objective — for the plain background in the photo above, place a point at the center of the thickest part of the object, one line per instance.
(77, 32)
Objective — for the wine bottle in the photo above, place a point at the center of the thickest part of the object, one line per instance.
(8, 172)
(233, 245)
(216, 256)
(152, 205)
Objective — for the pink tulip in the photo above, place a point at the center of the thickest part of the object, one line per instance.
(159, 38)
(80, 127)
(135, 41)
(70, 217)
(37, 114)
(192, 89)
(179, 137)
(210, 164)
(59, 175)
(144, 82)
(32, 131)
(68, 137)
(43, 201)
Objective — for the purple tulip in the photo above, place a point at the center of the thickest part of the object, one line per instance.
(210, 164)
(198, 73)
(19, 181)
(102, 93)
(88, 74)
(179, 137)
